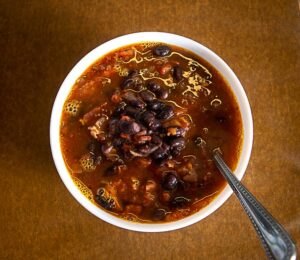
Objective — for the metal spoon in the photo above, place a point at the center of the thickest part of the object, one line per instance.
(275, 240)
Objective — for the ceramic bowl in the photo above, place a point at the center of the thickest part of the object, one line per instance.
(116, 43)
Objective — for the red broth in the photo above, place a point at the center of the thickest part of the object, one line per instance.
(138, 128)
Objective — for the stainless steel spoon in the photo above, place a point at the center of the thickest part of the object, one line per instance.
(275, 240)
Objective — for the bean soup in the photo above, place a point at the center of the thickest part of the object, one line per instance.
(138, 128)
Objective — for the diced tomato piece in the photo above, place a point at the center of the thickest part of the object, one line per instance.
(166, 68)
(126, 53)
(116, 98)
(134, 209)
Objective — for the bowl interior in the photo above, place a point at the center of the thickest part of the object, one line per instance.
(103, 49)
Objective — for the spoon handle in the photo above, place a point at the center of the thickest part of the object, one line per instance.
(275, 240)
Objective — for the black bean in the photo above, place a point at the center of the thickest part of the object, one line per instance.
(105, 203)
(138, 86)
(147, 95)
(113, 126)
(156, 105)
(133, 73)
(129, 127)
(156, 140)
(179, 202)
(159, 214)
(155, 125)
(133, 81)
(144, 149)
(176, 151)
(161, 153)
(166, 113)
(139, 114)
(127, 83)
(125, 126)
(161, 50)
(131, 111)
(147, 117)
(170, 181)
(119, 109)
(129, 96)
(180, 131)
(153, 86)
(177, 142)
(133, 100)
(138, 103)
(165, 146)
(177, 73)
(162, 93)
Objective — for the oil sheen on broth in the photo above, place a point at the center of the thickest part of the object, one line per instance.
(138, 128)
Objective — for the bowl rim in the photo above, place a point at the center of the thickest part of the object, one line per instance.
(167, 38)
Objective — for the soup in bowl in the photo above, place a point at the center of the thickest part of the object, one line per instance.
(134, 125)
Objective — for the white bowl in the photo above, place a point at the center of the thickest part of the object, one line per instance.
(107, 47)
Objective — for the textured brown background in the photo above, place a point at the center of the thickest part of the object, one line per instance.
(40, 41)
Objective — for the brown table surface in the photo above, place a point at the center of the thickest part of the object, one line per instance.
(41, 41)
